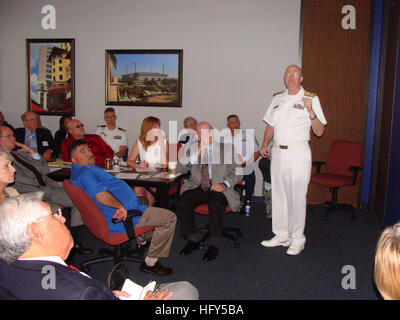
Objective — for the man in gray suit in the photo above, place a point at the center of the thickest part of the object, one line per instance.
(31, 175)
(212, 180)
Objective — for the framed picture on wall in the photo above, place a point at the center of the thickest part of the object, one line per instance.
(144, 77)
(51, 73)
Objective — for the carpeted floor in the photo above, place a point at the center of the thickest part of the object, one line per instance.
(252, 272)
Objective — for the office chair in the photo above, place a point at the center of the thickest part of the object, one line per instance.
(95, 221)
(228, 232)
(342, 169)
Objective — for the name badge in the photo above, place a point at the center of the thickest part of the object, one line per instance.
(118, 137)
(45, 143)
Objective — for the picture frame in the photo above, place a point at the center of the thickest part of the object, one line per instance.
(144, 77)
(51, 76)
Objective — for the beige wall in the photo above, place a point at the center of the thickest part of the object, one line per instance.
(235, 52)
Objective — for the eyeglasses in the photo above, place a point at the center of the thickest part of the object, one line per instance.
(57, 214)
(79, 126)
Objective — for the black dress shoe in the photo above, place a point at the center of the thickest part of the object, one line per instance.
(157, 269)
(117, 276)
(81, 249)
(211, 253)
(190, 246)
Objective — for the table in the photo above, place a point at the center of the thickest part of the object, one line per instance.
(160, 180)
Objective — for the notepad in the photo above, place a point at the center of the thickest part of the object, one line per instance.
(127, 175)
(136, 291)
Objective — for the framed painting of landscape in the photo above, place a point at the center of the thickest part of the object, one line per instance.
(144, 77)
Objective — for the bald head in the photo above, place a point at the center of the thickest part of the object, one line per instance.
(75, 128)
(293, 78)
(204, 132)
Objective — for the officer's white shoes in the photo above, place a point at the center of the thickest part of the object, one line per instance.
(275, 242)
(295, 248)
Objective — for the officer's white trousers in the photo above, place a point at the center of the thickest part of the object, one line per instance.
(290, 176)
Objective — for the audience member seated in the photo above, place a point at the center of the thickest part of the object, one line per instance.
(114, 136)
(34, 244)
(61, 135)
(190, 124)
(387, 263)
(114, 198)
(39, 139)
(212, 180)
(152, 149)
(99, 147)
(31, 175)
(248, 150)
(3, 122)
(6, 176)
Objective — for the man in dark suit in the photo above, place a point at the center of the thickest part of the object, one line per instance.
(34, 244)
(213, 175)
(39, 139)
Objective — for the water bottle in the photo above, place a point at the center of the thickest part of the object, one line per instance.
(116, 164)
(247, 208)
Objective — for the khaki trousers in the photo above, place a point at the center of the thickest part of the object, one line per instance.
(161, 237)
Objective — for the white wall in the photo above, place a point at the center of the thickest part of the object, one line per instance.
(234, 55)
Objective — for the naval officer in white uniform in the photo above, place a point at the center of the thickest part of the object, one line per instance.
(114, 136)
(289, 117)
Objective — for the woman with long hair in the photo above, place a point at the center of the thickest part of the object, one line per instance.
(150, 150)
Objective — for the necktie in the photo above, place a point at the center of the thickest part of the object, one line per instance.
(205, 178)
(30, 167)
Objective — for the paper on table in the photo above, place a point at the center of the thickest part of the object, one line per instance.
(148, 169)
(136, 291)
(127, 175)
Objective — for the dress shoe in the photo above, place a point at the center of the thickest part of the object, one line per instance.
(157, 269)
(190, 246)
(275, 242)
(295, 249)
(117, 276)
(81, 249)
(211, 253)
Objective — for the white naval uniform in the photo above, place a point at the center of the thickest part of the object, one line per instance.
(114, 138)
(291, 166)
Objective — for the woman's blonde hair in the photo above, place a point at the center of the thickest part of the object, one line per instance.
(5, 155)
(147, 125)
(387, 263)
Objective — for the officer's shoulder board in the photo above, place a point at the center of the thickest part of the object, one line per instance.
(124, 130)
(101, 126)
(309, 94)
(279, 92)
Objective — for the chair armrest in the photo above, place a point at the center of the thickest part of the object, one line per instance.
(355, 170)
(318, 165)
(130, 230)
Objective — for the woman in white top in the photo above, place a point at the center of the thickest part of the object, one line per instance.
(6, 176)
(152, 149)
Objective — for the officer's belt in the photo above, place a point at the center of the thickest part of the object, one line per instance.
(292, 145)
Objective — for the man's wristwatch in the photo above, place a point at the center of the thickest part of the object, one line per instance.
(313, 118)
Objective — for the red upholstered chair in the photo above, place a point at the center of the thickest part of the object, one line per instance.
(95, 221)
(343, 168)
(228, 232)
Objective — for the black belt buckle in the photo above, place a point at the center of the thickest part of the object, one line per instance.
(283, 147)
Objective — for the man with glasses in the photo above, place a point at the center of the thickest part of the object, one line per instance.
(39, 139)
(114, 136)
(289, 117)
(34, 244)
(99, 147)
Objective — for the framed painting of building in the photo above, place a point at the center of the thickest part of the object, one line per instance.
(50, 73)
(144, 77)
